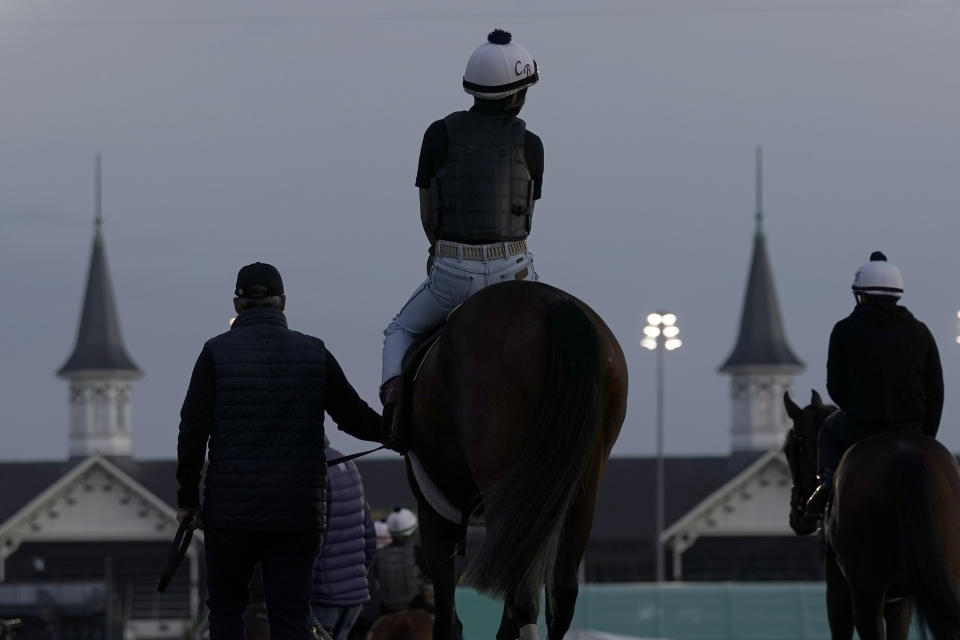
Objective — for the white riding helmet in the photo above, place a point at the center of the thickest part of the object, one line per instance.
(383, 533)
(401, 522)
(878, 278)
(499, 68)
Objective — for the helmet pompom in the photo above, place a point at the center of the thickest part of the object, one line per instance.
(877, 256)
(499, 36)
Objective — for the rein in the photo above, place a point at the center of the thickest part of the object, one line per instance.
(352, 456)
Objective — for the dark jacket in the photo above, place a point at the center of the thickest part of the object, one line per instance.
(399, 575)
(883, 370)
(349, 543)
(258, 394)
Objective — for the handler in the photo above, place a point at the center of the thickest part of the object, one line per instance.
(257, 399)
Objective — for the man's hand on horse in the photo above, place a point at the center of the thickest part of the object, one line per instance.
(190, 518)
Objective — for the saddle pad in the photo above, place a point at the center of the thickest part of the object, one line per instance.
(435, 496)
(432, 492)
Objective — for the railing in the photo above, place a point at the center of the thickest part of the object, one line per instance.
(145, 603)
(58, 594)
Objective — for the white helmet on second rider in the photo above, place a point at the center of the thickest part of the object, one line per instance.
(401, 522)
(499, 68)
(878, 278)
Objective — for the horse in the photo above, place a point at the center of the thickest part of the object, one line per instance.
(892, 530)
(513, 414)
(412, 624)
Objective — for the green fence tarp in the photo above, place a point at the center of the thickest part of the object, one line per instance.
(680, 611)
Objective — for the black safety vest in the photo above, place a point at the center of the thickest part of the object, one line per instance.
(483, 192)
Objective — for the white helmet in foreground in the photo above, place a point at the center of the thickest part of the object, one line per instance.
(401, 522)
(499, 68)
(878, 278)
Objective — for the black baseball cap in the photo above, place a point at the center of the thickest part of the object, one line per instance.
(259, 280)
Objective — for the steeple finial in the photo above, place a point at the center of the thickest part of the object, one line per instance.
(759, 186)
(98, 203)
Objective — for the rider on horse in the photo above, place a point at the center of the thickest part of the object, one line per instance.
(883, 371)
(480, 172)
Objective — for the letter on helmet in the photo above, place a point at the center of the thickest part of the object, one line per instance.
(878, 278)
(499, 68)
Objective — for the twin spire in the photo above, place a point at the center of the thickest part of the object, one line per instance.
(762, 341)
(99, 345)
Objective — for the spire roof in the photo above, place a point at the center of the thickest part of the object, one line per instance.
(762, 341)
(99, 343)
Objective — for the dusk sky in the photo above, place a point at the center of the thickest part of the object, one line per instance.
(288, 132)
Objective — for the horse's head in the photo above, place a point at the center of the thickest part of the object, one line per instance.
(800, 448)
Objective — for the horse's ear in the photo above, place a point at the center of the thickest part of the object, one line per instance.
(815, 398)
(792, 409)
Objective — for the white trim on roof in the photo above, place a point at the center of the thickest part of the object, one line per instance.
(73, 494)
(755, 502)
(769, 475)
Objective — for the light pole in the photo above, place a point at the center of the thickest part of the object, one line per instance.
(661, 333)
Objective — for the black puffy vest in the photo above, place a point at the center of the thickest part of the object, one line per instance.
(267, 468)
(483, 192)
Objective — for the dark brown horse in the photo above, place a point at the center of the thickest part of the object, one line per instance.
(514, 412)
(892, 530)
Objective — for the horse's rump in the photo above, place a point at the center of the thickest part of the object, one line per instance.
(523, 375)
(894, 522)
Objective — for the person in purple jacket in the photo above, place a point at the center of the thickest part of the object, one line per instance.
(340, 586)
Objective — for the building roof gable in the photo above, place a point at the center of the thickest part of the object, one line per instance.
(93, 499)
(755, 502)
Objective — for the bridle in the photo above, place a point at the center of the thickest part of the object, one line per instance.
(800, 449)
(797, 445)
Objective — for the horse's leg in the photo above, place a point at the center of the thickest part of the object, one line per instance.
(507, 630)
(868, 597)
(440, 539)
(562, 585)
(898, 615)
(523, 612)
(839, 602)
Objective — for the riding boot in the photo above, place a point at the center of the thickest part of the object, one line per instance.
(392, 434)
(817, 503)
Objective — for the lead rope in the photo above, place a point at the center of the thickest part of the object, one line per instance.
(352, 456)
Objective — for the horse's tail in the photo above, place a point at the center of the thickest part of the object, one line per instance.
(921, 559)
(525, 509)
